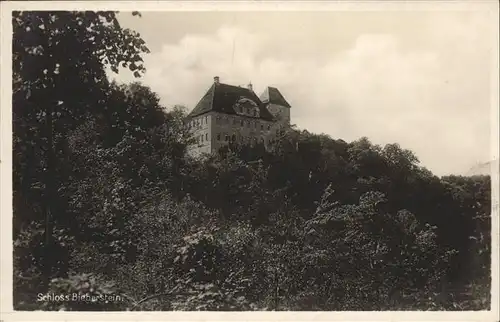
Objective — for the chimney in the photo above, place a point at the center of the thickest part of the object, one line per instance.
(250, 87)
(216, 79)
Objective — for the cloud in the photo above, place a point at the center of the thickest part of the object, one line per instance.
(433, 100)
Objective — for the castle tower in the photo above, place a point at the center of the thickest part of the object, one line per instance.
(276, 104)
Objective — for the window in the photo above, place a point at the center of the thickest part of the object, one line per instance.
(241, 109)
(206, 119)
(248, 110)
(268, 127)
(261, 127)
(218, 136)
(202, 138)
(206, 136)
(242, 123)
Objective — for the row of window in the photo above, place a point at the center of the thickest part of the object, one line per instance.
(204, 120)
(249, 111)
(239, 138)
(230, 138)
(202, 138)
(197, 123)
(242, 123)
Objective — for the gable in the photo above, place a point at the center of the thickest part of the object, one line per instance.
(226, 99)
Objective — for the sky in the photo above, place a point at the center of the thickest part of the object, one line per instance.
(418, 78)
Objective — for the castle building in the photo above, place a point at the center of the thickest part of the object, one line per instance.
(228, 113)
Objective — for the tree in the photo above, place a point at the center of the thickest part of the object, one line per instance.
(371, 255)
(59, 79)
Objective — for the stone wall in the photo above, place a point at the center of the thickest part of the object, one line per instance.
(214, 130)
(239, 128)
(200, 126)
(281, 113)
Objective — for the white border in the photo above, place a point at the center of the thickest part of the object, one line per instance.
(257, 5)
(6, 311)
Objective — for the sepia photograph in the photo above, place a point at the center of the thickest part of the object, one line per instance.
(251, 160)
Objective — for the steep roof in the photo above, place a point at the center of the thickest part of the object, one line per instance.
(273, 96)
(222, 97)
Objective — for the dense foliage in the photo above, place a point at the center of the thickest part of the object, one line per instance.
(107, 203)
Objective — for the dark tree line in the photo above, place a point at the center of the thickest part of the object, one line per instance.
(106, 200)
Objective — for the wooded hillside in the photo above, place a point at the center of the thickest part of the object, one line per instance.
(106, 201)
